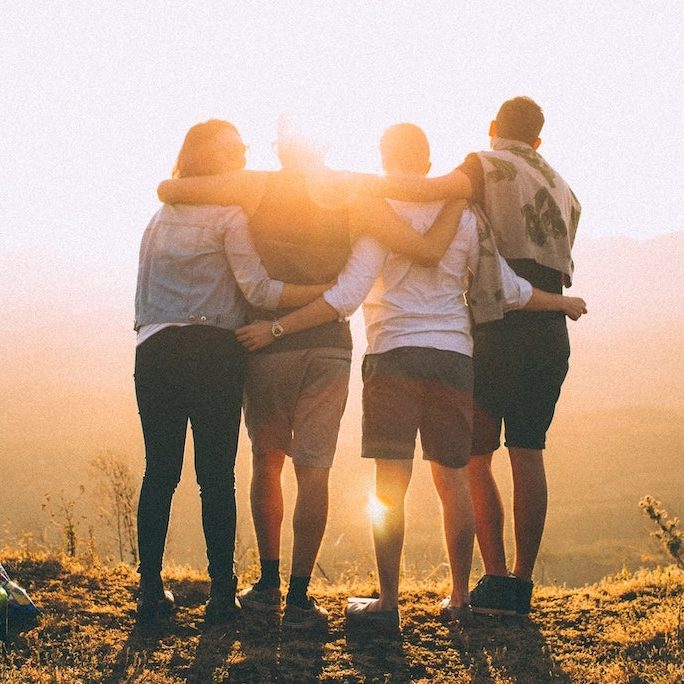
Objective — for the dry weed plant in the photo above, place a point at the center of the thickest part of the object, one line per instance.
(118, 488)
(669, 534)
(63, 515)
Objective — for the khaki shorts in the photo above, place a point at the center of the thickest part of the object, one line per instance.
(294, 401)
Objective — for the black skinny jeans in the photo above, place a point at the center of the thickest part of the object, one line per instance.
(193, 373)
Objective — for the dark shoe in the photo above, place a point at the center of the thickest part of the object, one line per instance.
(222, 605)
(260, 600)
(153, 600)
(461, 615)
(221, 609)
(523, 595)
(359, 616)
(311, 617)
(494, 595)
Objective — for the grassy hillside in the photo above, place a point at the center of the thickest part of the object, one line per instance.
(625, 629)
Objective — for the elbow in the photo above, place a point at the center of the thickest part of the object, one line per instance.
(162, 194)
(255, 296)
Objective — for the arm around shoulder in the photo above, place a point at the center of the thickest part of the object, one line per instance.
(454, 185)
(245, 188)
(375, 217)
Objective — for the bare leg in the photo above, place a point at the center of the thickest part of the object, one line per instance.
(310, 517)
(530, 500)
(392, 478)
(266, 496)
(489, 514)
(454, 493)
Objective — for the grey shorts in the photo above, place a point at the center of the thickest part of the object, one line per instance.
(294, 401)
(413, 389)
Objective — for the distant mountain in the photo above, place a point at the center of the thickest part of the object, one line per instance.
(628, 349)
(631, 282)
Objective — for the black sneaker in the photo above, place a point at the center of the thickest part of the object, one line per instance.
(523, 595)
(153, 600)
(222, 605)
(312, 616)
(261, 600)
(494, 595)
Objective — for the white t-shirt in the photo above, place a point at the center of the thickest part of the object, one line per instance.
(418, 306)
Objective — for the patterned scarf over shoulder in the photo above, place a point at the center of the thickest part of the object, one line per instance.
(529, 212)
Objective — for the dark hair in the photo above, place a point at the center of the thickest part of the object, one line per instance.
(520, 119)
(201, 156)
(405, 146)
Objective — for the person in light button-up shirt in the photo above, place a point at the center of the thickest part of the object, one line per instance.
(195, 264)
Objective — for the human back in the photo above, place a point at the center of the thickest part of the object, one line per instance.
(530, 207)
(299, 239)
(184, 276)
(414, 305)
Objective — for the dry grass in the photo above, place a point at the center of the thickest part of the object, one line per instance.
(626, 629)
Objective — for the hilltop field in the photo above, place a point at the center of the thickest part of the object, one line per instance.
(626, 629)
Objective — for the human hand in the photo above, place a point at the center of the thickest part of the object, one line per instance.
(574, 307)
(256, 335)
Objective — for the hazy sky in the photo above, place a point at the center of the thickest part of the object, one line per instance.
(97, 97)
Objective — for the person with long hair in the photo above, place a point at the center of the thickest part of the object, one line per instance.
(197, 267)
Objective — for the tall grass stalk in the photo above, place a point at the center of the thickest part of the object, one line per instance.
(668, 533)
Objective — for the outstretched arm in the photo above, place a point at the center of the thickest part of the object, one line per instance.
(519, 294)
(375, 217)
(245, 188)
(340, 301)
(454, 185)
(572, 307)
(259, 289)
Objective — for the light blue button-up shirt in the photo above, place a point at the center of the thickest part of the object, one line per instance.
(196, 262)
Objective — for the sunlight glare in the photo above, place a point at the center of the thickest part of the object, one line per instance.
(376, 509)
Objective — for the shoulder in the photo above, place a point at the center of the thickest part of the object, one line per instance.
(417, 211)
(471, 164)
(232, 215)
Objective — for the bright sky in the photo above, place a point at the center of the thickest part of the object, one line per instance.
(97, 97)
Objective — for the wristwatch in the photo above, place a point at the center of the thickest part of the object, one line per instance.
(277, 329)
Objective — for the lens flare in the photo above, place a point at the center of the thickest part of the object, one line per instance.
(376, 509)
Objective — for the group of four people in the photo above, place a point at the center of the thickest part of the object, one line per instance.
(306, 248)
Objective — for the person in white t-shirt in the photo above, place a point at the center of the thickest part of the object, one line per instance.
(417, 374)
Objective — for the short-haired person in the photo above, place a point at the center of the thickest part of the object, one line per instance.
(417, 373)
(296, 389)
(521, 359)
(195, 264)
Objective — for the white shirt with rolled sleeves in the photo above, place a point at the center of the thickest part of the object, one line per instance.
(407, 305)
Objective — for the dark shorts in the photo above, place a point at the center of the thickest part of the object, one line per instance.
(520, 364)
(418, 388)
